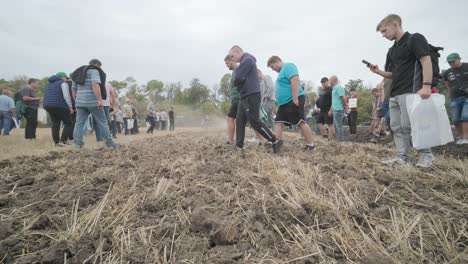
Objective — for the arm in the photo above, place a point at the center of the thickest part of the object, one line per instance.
(345, 102)
(447, 84)
(270, 88)
(242, 71)
(113, 97)
(295, 89)
(426, 64)
(66, 96)
(74, 90)
(97, 92)
(385, 74)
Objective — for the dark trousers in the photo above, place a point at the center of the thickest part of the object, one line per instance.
(352, 121)
(58, 115)
(127, 131)
(163, 125)
(249, 110)
(172, 124)
(73, 119)
(31, 123)
(152, 125)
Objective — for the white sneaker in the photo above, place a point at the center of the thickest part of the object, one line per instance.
(462, 141)
(425, 161)
(254, 140)
(396, 161)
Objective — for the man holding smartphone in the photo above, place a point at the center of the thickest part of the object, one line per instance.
(409, 66)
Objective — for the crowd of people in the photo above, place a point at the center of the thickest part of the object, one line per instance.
(82, 103)
(411, 68)
(86, 100)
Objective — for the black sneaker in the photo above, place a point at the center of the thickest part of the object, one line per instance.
(309, 148)
(113, 145)
(277, 146)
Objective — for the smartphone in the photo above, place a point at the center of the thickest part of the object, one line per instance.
(366, 63)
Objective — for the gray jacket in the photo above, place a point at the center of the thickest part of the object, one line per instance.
(267, 87)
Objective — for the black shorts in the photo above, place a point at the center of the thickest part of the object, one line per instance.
(324, 118)
(233, 110)
(290, 114)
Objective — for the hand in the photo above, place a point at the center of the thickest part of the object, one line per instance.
(374, 68)
(71, 110)
(330, 113)
(296, 101)
(318, 110)
(99, 104)
(425, 92)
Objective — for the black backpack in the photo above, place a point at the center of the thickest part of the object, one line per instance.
(435, 55)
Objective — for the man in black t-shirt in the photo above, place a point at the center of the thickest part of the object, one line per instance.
(171, 119)
(409, 65)
(456, 80)
(324, 104)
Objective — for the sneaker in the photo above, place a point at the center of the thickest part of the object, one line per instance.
(254, 141)
(277, 146)
(113, 145)
(309, 148)
(59, 145)
(462, 141)
(396, 161)
(67, 142)
(78, 147)
(373, 140)
(229, 143)
(425, 161)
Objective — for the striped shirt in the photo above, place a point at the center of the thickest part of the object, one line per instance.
(85, 96)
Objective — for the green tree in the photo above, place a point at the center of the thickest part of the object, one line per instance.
(154, 89)
(224, 87)
(357, 84)
(197, 93)
(118, 86)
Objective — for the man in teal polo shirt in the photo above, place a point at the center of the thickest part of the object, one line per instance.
(339, 107)
(291, 99)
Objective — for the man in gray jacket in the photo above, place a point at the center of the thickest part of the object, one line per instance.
(268, 98)
(246, 80)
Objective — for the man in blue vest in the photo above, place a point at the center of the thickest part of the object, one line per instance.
(58, 103)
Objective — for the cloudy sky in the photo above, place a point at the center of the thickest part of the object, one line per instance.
(180, 39)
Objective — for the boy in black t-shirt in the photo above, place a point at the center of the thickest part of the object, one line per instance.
(409, 65)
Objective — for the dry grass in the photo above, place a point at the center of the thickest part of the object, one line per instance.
(187, 198)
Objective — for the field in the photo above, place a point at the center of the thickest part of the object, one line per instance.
(186, 197)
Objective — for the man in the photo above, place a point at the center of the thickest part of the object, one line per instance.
(171, 119)
(31, 100)
(338, 108)
(7, 112)
(106, 106)
(323, 107)
(58, 103)
(409, 66)
(246, 80)
(291, 100)
(456, 80)
(267, 88)
(235, 98)
(353, 114)
(127, 115)
(89, 100)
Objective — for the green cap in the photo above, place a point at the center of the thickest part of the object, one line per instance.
(62, 74)
(453, 57)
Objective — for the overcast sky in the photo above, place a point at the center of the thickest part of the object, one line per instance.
(180, 39)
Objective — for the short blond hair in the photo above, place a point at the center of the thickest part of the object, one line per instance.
(392, 18)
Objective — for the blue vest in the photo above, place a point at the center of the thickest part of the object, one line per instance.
(53, 95)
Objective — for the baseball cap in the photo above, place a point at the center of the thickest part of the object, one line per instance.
(453, 57)
(62, 74)
(324, 79)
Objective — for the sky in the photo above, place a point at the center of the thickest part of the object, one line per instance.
(178, 40)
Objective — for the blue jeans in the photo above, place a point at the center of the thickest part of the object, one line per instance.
(99, 116)
(338, 122)
(386, 112)
(5, 122)
(96, 127)
(459, 106)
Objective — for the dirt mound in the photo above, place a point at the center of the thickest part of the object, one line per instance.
(187, 198)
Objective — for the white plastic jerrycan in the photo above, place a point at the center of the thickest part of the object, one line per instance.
(430, 126)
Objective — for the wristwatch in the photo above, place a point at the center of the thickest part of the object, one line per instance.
(427, 83)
